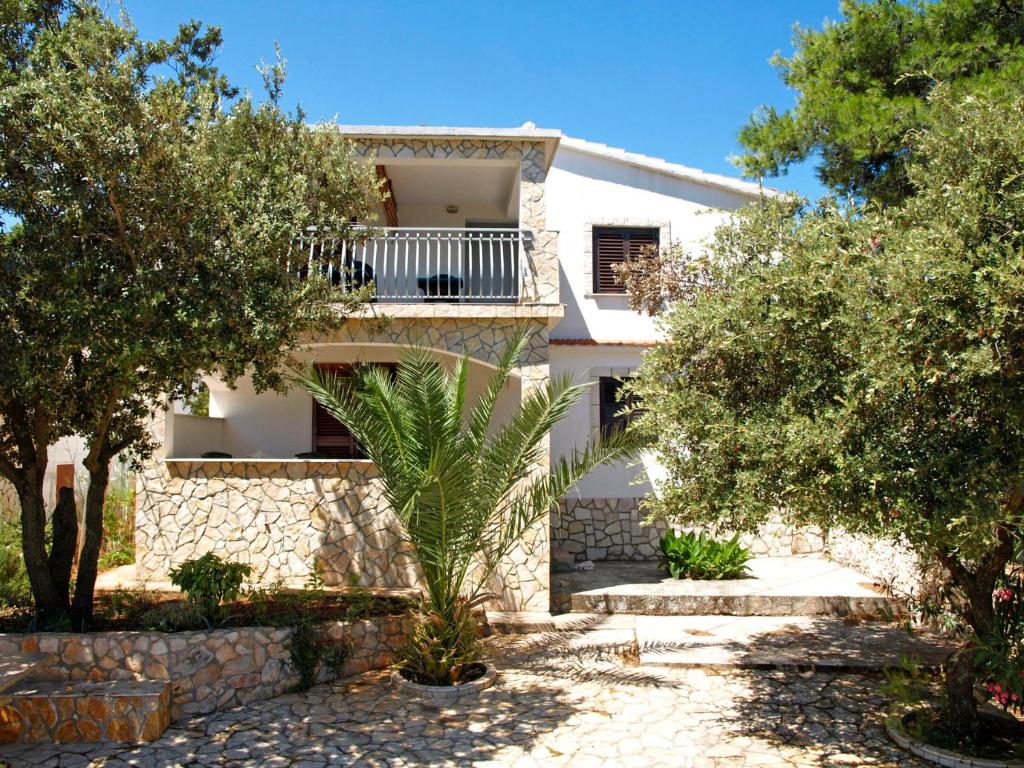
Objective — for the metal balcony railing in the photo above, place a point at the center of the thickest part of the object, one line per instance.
(412, 264)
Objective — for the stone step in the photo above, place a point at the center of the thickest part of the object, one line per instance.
(783, 642)
(15, 669)
(778, 586)
(529, 622)
(114, 710)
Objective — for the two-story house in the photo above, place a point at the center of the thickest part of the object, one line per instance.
(484, 230)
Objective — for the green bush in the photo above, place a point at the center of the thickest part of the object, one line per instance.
(698, 556)
(118, 528)
(209, 581)
(15, 590)
(173, 617)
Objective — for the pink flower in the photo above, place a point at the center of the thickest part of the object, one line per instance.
(1003, 595)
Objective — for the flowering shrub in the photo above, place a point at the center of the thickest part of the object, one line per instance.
(1001, 653)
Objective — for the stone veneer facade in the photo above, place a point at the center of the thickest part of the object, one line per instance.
(207, 671)
(614, 529)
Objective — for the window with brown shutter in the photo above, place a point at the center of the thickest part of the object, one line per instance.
(331, 438)
(614, 245)
(612, 401)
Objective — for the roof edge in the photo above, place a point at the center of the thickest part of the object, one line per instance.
(749, 188)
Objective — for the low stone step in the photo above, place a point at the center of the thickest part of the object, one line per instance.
(114, 710)
(778, 586)
(528, 622)
(15, 669)
(783, 642)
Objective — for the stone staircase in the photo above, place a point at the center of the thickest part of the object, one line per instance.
(33, 711)
(778, 586)
(796, 613)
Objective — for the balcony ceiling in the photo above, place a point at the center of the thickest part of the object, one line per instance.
(446, 183)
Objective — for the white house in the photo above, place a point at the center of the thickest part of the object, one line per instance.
(486, 229)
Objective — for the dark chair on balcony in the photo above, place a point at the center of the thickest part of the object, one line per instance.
(443, 287)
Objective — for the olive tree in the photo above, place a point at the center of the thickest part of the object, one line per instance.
(862, 367)
(154, 214)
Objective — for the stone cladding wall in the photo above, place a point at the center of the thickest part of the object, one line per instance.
(613, 529)
(208, 671)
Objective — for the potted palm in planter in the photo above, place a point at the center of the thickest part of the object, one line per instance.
(465, 491)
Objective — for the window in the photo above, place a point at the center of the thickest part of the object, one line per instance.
(614, 245)
(612, 402)
(331, 438)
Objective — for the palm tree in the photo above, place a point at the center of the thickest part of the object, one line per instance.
(464, 490)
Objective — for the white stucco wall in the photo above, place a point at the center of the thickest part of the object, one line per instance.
(586, 364)
(583, 191)
(273, 425)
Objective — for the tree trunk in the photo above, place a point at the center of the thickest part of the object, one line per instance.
(65, 542)
(85, 584)
(963, 709)
(49, 601)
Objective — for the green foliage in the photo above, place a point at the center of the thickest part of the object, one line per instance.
(439, 649)
(860, 368)
(118, 528)
(15, 590)
(908, 684)
(693, 555)
(310, 648)
(197, 400)
(862, 85)
(174, 617)
(1001, 649)
(156, 211)
(465, 490)
(209, 582)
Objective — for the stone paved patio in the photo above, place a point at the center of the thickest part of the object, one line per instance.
(553, 705)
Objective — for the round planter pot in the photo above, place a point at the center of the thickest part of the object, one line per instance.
(898, 733)
(443, 695)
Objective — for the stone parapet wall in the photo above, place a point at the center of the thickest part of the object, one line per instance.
(208, 671)
(885, 562)
(605, 529)
(614, 529)
(279, 517)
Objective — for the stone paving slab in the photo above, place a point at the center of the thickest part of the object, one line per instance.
(789, 642)
(544, 710)
(526, 622)
(778, 586)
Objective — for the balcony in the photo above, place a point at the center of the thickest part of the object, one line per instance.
(409, 265)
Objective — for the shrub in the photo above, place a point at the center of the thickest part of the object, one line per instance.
(173, 617)
(1000, 654)
(118, 528)
(15, 589)
(690, 555)
(209, 581)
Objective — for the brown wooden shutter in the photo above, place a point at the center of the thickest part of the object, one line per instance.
(330, 437)
(613, 245)
(612, 401)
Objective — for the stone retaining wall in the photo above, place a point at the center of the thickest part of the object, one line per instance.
(209, 670)
(614, 529)
(276, 516)
(882, 561)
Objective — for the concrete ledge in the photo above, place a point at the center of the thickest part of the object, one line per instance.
(443, 695)
(894, 727)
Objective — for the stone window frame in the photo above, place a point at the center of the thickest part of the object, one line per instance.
(664, 238)
(594, 376)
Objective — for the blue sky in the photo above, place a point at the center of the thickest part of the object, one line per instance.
(671, 79)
